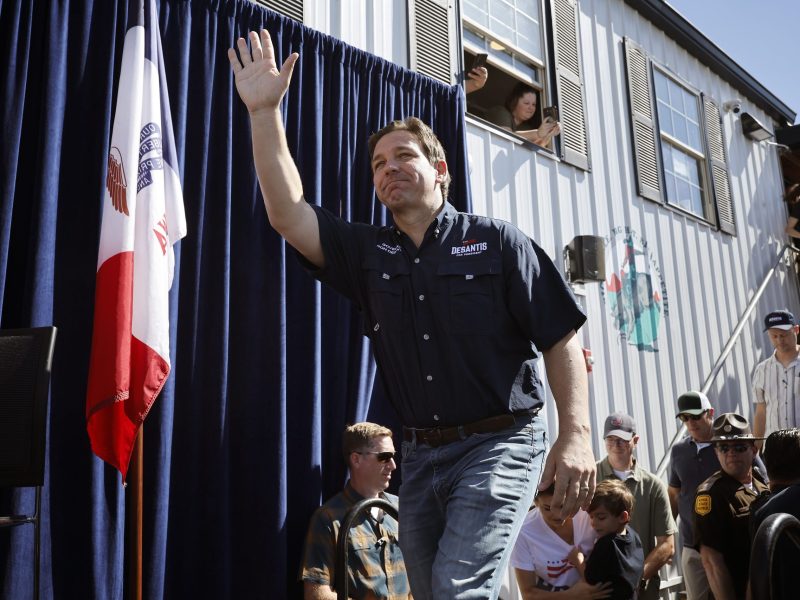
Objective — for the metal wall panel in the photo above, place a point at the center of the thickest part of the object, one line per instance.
(377, 26)
(709, 276)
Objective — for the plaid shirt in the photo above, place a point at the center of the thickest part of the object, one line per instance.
(375, 563)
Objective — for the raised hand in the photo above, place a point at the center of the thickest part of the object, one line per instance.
(260, 84)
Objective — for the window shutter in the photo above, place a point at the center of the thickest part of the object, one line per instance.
(431, 38)
(718, 166)
(569, 88)
(288, 8)
(643, 124)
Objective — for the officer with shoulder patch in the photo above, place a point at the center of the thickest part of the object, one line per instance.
(722, 508)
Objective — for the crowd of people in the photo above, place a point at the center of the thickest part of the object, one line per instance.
(458, 308)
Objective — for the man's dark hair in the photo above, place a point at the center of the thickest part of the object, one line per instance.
(358, 438)
(782, 455)
(428, 142)
(612, 495)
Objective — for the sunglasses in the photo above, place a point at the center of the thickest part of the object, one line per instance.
(685, 418)
(738, 448)
(615, 441)
(381, 456)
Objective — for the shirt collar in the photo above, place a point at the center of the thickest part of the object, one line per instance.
(606, 471)
(774, 357)
(353, 496)
(437, 227)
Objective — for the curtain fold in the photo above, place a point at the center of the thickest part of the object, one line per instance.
(268, 367)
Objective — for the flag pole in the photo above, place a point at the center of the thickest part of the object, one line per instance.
(133, 515)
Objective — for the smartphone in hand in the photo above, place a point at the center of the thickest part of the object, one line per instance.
(550, 114)
(478, 61)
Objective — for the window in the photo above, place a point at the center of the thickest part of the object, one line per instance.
(510, 32)
(681, 145)
(679, 150)
(513, 23)
(516, 34)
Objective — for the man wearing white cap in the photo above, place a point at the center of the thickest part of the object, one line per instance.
(651, 517)
(776, 380)
(692, 461)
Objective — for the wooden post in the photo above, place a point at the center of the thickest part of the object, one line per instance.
(133, 519)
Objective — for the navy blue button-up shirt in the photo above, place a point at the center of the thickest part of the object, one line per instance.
(455, 323)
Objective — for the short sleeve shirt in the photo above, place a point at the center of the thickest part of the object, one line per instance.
(539, 549)
(455, 324)
(689, 467)
(652, 515)
(779, 388)
(722, 519)
(375, 562)
(618, 559)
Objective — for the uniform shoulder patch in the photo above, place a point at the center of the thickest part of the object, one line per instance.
(702, 504)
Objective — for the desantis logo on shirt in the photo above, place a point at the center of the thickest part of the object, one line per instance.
(388, 248)
(469, 248)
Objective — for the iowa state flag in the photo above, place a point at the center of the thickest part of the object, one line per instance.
(142, 217)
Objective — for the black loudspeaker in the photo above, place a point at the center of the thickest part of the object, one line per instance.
(585, 258)
(25, 358)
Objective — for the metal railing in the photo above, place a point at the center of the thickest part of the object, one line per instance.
(342, 576)
(763, 552)
(726, 351)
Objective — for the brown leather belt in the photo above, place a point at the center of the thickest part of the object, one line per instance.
(439, 436)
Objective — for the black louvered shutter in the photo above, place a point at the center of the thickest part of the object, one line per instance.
(718, 166)
(569, 88)
(643, 122)
(431, 38)
(288, 8)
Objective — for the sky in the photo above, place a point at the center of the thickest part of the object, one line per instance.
(760, 35)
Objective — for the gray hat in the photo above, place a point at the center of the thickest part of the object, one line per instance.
(621, 425)
(730, 427)
(693, 403)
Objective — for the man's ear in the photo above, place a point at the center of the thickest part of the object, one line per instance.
(626, 516)
(354, 460)
(441, 169)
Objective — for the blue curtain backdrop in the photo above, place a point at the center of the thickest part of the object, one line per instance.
(268, 367)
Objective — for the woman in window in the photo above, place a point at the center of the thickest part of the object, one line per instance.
(540, 555)
(516, 115)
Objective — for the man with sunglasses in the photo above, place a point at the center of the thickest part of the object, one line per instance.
(375, 563)
(651, 517)
(722, 508)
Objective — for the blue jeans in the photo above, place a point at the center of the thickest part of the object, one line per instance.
(462, 506)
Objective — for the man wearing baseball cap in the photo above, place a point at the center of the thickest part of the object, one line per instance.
(776, 380)
(722, 508)
(651, 517)
(692, 461)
